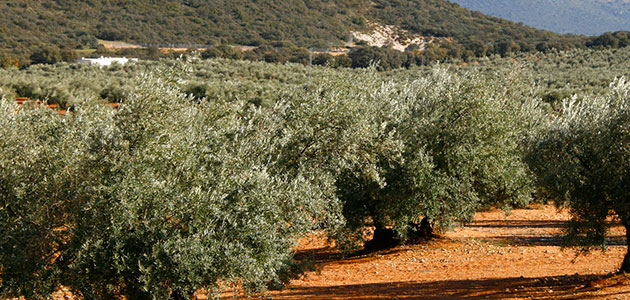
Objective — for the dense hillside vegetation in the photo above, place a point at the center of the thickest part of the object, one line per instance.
(28, 26)
(564, 16)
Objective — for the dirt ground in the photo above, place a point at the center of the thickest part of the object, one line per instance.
(518, 256)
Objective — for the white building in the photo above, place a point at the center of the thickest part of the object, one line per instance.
(105, 61)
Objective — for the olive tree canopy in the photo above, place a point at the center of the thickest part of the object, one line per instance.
(583, 162)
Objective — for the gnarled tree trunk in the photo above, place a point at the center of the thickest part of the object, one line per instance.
(625, 266)
(384, 238)
(175, 295)
(421, 232)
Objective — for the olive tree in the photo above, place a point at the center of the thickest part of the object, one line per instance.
(582, 161)
(461, 148)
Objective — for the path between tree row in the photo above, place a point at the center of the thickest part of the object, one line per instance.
(518, 256)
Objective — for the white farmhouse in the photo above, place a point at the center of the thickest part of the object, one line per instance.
(105, 61)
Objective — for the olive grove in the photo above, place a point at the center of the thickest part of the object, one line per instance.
(210, 171)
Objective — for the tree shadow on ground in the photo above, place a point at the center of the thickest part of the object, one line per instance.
(543, 233)
(573, 287)
(555, 240)
(518, 224)
(327, 254)
(536, 238)
(525, 224)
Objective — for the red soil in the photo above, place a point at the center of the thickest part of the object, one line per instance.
(517, 256)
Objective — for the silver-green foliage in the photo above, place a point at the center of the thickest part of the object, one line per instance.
(170, 193)
(461, 143)
(175, 192)
(582, 161)
(161, 195)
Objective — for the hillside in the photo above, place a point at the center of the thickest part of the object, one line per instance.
(73, 24)
(563, 16)
(77, 24)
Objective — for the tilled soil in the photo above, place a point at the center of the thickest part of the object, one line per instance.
(497, 256)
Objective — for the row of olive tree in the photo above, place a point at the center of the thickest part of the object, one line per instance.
(170, 194)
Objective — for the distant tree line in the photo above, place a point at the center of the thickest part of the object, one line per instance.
(281, 29)
(384, 58)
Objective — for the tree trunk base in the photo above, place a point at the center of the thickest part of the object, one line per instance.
(383, 239)
(175, 295)
(420, 233)
(625, 266)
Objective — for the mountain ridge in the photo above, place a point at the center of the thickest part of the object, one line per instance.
(562, 16)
